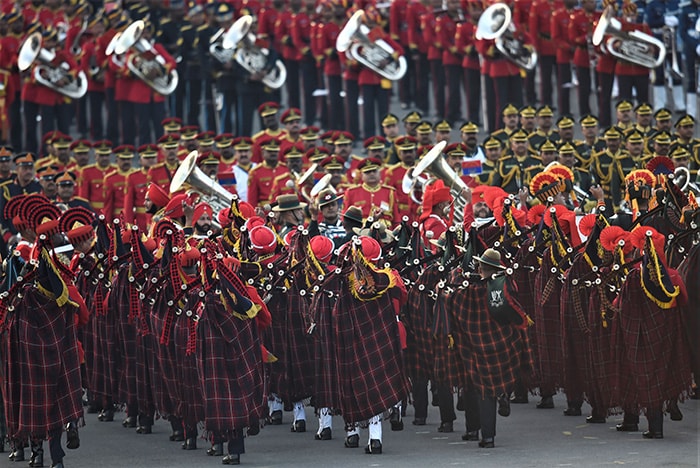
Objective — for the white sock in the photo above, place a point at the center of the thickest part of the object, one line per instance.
(324, 419)
(375, 428)
(351, 430)
(299, 413)
(275, 403)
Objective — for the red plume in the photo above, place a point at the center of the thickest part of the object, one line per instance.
(609, 237)
(534, 214)
(660, 165)
(587, 224)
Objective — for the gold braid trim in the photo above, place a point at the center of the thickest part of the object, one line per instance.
(62, 299)
(360, 279)
(656, 274)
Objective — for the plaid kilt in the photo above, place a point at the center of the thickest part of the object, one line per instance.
(656, 365)
(119, 303)
(548, 328)
(368, 354)
(165, 385)
(291, 376)
(190, 405)
(417, 317)
(491, 350)
(449, 366)
(689, 270)
(229, 362)
(145, 370)
(575, 332)
(42, 385)
(602, 351)
(525, 279)
(326, 384)
(86, 334)
(107, 360)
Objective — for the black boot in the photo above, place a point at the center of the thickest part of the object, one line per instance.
(129, 422)
(395, 419)
(72, 436)
(216, 450)
(546, 403)
(37, 458)
(374, 447)
(190, 444)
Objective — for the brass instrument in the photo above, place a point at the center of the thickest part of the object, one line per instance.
(145, 60)
(682, 179)
(353, 40)
(635, 46)
(32, 51)
(217, 50)
(208, 188)
(434, 164)
(496, 22)
(75, 48)
(321, 185)
(253, 58)
(413, 185)
(669, 37)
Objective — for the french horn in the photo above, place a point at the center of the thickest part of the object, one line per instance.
(496, 23)
(353, 40)
(46, 72)
(253, 58)
(145, 60)
(633, 46)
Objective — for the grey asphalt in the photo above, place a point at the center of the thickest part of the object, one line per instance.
(530, 437)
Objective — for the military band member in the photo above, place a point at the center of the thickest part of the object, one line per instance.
(393, 175)
(635, 147)
(630, 75)
(662, 119)
(445, 31)
(516, 170)
(329, 224)
(565, 53)
(662, 18)
(690, 38)
(291, 119)
(115, 182)
(528, 119)
(545, 130)
(6, 172)
(590, 144)
(331, 63)
(443, 131)
(261, 176)
(10, 44)
(24, 183)
(137, 183)
(286, 183)
(424, 134)
(172, 32)
(582, 178)
(92, 177)
(81, 152)
(301, 27)
(428, 24)
(225, 75)
(47, 180)
(510, 124)
(65, 191)
(372, 197)
(580, 33)
(59, 155)
(493, 150)
(466, 42)
(390, 130)
(162, 174)
(685, 129)
(243, 165)
(565, 125)
(540, 22)
(606, 168)
(468, 134)
(268, 112)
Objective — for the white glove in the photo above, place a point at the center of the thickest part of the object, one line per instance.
(697, 50)
(671, 21)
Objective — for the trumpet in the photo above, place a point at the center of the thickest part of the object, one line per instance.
(496, 23)
(146, 61)
(353, 40)
(46, 72)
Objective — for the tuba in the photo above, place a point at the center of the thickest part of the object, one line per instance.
(145, 60)
(217, 50)
(634, 46)
(683, 180)
(46, 72)
(209, 189)
(253, 58)
(434, 164)
(413, 185)
(496, 22)
(353, 40)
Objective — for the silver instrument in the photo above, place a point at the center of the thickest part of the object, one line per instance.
(353, 40)
(32, 51)
(216, 49)
(208, 188)
(683, 179)
(635, 46)
(253, 58)
(146, 59)
(413, 185)
(496, 23)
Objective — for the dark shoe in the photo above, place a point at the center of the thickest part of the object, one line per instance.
(107, 415)
(326, 434)
(572, 412)
(486, 443)
(352, 441)
(17, 455)
(434, 401)
(72, 436)
(595, 420)
(129, 422)
(93, 408)
(191, 444)
(37, 458)
(445, 427)
(276, 418)
(519, 399)
(627, 427)
(231, 459)
(395, 420)
(675, 412)
(504, 406)
(57, 465)
(374, 447)
(653, 435)
(177, 436)
(461, 406)
(254, 428)
(216, 450)
(546, 403)
(144, 430)
(299, 426)
(472, 435)
(418, 422)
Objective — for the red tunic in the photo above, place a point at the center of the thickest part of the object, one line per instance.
(260, 180)
(540, 26)
(428, 24)
(393, 177)
(161, 174)
(301, 34)
(628, 68)
(580, 29)
(283, 31)
(115, 192)
(368, 76)
(327, 37)
(371, 200)
(445, 32)
(416, 40)
(91, 184)
(465, 41)
(560, 34)
(42, 95)
(135, 199)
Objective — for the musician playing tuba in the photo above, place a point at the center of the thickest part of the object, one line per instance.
(662, 18)
(631, 75)
(690, 35)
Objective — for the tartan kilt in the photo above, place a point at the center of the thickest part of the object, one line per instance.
(368, 352)
(547, 318)
(291, 376)
(107, 359)
(689, 270)
(164, 381)
(43, 387)
(575, 331)
(525, 278)
(119, 303)
(417, 317)
(656, 357)
(450, 367)
(190, 406)
(229, 362)
(603, 352)
(326, 384)
(491, 350)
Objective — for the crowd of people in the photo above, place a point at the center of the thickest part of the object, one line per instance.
(227, 278)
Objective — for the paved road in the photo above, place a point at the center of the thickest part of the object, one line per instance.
(528, 438)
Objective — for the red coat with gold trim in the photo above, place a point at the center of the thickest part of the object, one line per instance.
(115, 193)
(135, 199)
(260, 180)
(91, 184)
(374, 199)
